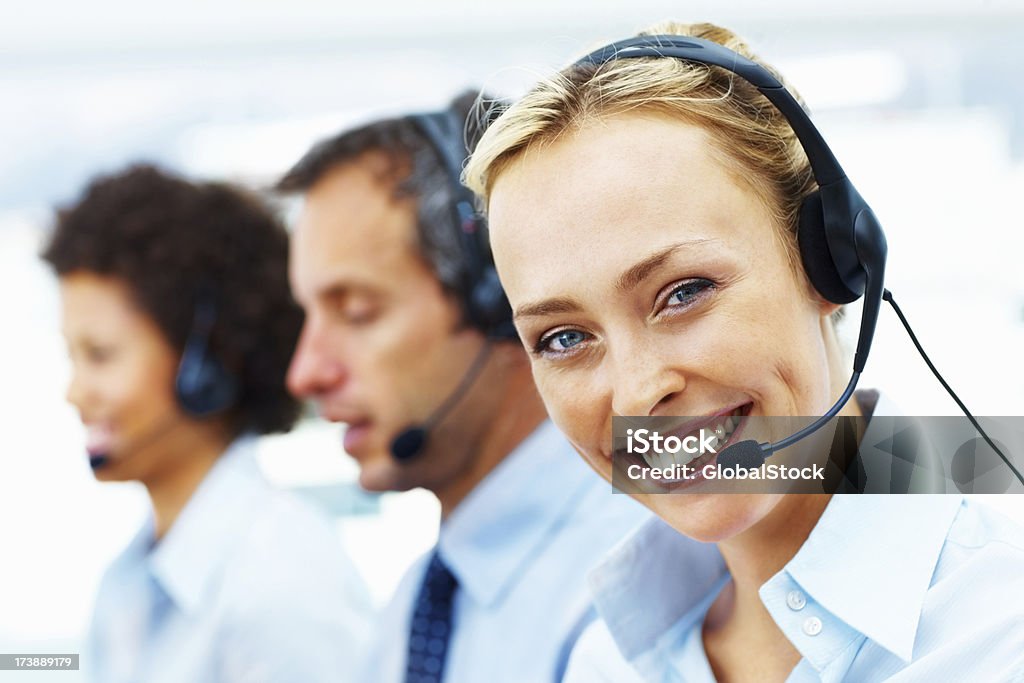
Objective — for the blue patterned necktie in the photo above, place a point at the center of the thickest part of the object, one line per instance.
(431, 625)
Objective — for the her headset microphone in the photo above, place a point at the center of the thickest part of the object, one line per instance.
(842, 245)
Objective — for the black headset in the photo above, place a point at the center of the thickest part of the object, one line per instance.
(841, 243)
(203, 385)
(484, 303)
(483, 298)
(842, 246)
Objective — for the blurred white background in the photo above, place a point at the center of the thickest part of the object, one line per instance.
(921, 100)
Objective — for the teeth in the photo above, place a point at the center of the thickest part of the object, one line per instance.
(658, 460)
(682, 458)
(722, 431)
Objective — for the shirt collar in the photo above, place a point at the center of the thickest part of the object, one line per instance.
(651, 580)
(649, 588)
(505, 520)
(187, 561)
(881, 599)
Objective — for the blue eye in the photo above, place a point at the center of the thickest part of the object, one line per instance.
(560, 341)
(568, 338)
(684, 294)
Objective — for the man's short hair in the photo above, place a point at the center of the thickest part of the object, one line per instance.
(415, 171)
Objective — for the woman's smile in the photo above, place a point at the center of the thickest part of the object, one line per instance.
(685, 301)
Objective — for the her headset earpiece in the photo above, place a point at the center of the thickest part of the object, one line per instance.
(815, 254)
(483, 297)
(203, 385)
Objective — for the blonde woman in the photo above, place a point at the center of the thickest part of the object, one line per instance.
(644, 216)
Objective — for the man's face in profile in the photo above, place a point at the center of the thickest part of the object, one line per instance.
(379, 348)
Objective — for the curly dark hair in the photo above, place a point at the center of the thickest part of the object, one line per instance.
(173, 241)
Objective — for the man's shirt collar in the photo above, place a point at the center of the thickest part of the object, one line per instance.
(502, 524)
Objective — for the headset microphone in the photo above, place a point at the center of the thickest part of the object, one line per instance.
(483, 300)
(411, 441)
(750, 454)
(870, 251)
(100, 460)
(842, 245)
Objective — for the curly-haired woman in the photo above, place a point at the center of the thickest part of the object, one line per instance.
(180, 327)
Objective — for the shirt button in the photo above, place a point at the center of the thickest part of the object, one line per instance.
(796, 600)
(812, 626)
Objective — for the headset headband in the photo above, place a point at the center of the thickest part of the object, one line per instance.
(823, 163)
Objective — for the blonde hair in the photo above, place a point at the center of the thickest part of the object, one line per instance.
(751, 137)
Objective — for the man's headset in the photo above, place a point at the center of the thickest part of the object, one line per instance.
(203, 385)
(482, 297)
(842, 246)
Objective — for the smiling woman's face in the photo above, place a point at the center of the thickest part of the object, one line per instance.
(648, 280)
(122, 382)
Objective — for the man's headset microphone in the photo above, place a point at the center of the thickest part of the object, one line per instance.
(203, 386)
(484, 303)
(842, 246)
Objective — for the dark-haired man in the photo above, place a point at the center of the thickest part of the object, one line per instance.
(400, 336)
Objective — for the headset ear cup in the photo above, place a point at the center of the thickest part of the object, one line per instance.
(203, 385)
(816, 255)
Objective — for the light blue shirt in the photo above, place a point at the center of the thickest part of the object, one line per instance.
(519, 545)
(886, 587)
(247, 585)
